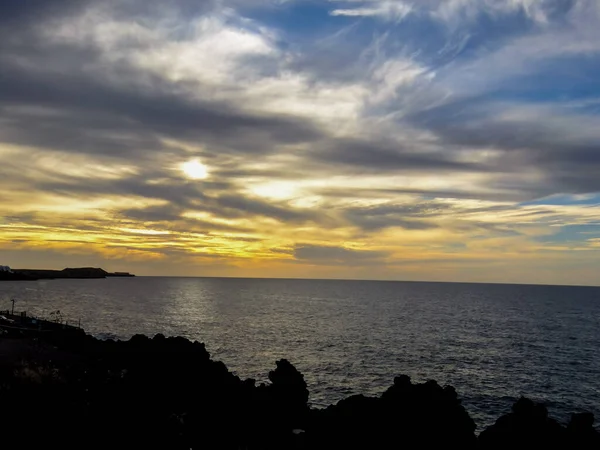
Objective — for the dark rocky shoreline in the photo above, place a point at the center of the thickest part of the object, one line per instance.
(72, 390)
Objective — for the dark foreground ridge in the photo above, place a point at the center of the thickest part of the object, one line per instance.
(70, 390)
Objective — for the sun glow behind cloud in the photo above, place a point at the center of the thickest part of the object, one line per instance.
(218, 138)
(194, 169)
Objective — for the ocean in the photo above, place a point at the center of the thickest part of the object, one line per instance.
(492, 342)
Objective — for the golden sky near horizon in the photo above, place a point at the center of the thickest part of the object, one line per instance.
(225, 139)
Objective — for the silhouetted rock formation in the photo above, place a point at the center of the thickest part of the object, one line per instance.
(528, 426)
(82, 272)
(414, 415)
(79, 392)
(13, 276)
(119, 275)
(581, 432)
(79, 273)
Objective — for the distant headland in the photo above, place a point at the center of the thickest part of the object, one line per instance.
(8, 274)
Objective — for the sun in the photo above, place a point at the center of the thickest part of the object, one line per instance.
(194, 169)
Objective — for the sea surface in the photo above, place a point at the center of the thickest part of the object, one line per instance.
(492, 342)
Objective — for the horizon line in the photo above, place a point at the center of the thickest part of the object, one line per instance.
(366, 279)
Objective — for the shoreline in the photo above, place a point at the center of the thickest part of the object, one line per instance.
(156, 378)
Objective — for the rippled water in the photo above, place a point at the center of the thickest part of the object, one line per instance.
(492, 342)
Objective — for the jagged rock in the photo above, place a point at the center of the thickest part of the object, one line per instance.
(527, 426)
(167, 392)
(289, 383)
(581, 433)
(406, 416)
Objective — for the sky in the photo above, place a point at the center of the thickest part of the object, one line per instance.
(436, 140)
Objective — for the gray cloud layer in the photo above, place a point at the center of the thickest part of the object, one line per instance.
(49, 101)
(336, 255)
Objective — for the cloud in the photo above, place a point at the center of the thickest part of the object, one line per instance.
(408, 216)
(387, 9)
(72, 113)
(381, 155)
(453, 10)
(337, 255)
(559, 150)
(180, 196)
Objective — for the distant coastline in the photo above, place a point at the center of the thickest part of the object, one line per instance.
(67, 273)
